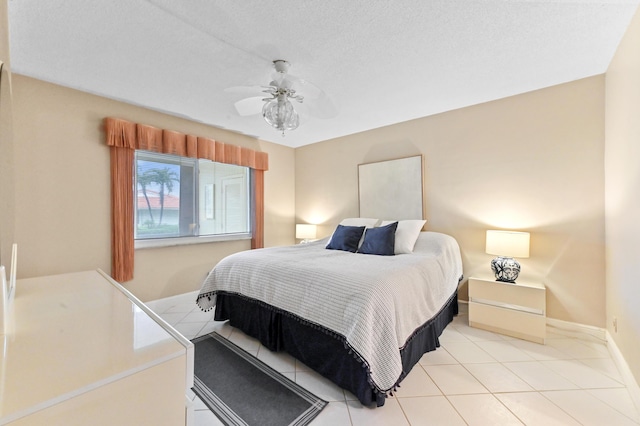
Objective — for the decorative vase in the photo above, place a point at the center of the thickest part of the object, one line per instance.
(506, 269)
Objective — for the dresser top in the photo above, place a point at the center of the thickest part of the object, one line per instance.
(72, 333)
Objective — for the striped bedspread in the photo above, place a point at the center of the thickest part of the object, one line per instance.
(375, 302)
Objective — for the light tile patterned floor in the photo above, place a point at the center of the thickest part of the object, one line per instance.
(474, 378)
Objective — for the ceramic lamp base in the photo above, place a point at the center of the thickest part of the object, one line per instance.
(506, 269)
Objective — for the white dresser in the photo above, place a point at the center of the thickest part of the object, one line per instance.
(515, 309)
(82, 350)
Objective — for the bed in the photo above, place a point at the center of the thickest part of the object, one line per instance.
(361, 320)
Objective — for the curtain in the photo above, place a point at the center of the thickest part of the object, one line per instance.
(121, 137)
(257, 210)
(124, 137)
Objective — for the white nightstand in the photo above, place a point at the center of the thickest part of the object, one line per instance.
(517, 310)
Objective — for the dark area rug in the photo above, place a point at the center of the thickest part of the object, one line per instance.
(242, 390)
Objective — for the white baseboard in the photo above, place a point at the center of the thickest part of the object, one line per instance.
(168, 301)
(573, 329)
(625, 371)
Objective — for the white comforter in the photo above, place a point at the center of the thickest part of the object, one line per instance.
(375, 302)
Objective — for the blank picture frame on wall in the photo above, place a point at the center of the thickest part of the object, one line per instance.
(391, 189)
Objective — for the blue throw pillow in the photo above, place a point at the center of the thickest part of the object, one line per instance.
(346, 238)
(380, 241)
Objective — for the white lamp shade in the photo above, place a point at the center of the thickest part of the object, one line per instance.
(508, 243)
(305, 231)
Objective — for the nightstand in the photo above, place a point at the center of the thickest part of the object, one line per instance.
(514, 309)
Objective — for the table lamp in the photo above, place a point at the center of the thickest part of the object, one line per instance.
(305, 232)
(507, 245)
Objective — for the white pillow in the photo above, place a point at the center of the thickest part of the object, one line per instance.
(406, 234)
(360, 221)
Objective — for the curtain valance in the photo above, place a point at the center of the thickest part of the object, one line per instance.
(125, 134)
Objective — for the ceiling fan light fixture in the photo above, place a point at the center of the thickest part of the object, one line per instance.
(276, 102)
(280, 114)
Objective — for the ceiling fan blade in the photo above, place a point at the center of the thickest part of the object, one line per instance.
(249, 106)
(322, 107)
(244, 90)
(308, 89)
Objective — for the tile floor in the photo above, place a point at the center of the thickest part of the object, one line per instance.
(474, 378)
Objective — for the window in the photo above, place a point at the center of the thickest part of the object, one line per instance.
(178, 197)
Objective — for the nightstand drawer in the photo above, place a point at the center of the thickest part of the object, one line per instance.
(522, 325)
(526, 297)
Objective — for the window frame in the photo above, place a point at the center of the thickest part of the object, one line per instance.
(171, 241)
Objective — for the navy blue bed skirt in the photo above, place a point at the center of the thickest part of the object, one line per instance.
(323, 350)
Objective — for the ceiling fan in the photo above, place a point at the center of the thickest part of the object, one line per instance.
(276, 103)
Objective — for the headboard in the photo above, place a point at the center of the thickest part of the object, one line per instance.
(391, 189)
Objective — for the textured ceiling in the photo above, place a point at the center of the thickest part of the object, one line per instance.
(380, 62)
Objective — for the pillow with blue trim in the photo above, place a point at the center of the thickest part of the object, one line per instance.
(346, 238)
(380, 241)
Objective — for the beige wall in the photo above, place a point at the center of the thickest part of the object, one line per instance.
(622, 177)
(62, 220)
(532, 162)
